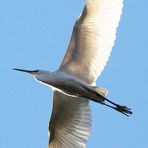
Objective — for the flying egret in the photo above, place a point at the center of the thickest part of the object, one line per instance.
(73, 83)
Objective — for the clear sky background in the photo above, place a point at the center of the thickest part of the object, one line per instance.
(35, 34)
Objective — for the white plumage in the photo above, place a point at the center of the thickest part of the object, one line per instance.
(70, 122)
(92, 39)
(91, 43)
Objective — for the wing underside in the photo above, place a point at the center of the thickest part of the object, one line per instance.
(92, 39)
(69, 126)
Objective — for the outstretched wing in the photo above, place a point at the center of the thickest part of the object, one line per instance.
(92, 39)
(69, 126)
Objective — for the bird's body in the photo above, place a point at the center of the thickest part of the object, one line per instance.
(74, 82)
(69, 85)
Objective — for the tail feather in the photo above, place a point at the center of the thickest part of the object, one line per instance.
(101, 91)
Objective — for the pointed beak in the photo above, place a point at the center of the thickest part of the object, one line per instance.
(33, 72)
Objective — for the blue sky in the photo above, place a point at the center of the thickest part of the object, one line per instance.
(35, 35)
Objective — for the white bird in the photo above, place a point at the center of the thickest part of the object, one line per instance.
(73, 83)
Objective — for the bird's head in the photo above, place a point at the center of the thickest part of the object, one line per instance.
(40, 75)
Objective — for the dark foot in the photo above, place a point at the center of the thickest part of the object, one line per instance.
(123, 109)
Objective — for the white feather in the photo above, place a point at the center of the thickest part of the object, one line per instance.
(92, 39)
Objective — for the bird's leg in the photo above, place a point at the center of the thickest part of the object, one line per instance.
(123, 109)
(101, 99)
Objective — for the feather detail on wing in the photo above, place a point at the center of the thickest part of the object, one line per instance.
(69, 126)
(92, 39)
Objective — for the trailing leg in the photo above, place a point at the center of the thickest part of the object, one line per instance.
(122, 109)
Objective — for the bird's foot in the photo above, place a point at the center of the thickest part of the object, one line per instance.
(123, 109)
